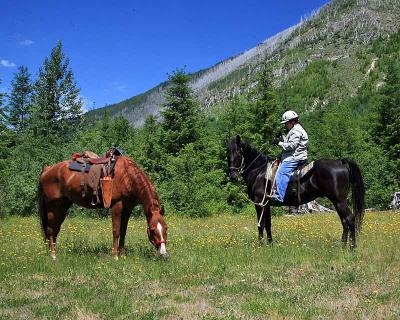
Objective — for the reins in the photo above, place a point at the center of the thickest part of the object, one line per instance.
(241, 170)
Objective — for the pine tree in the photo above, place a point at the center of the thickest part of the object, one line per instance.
(20, 99)
(264, 110)
(235, 118)
(58, 107)
(151, 148)
(180, 114)
(3, 114)
(387, 130)
(6, 145)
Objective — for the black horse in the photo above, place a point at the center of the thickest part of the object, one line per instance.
(327, 178)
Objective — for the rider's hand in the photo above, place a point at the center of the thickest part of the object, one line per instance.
(276, 141)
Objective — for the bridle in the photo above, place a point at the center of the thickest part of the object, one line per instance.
(157, 243)
(242, 168)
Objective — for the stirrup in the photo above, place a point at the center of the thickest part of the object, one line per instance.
(273, 197)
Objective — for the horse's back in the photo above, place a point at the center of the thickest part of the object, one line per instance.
(329, 173)
(53, 179)
(330, 166)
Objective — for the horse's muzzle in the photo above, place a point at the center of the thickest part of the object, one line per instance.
(163, 251)
(164, 255)
(234, 176)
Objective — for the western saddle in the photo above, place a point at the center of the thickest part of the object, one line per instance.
(97, 174)
(302, 169)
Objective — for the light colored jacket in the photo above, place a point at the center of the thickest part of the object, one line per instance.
(294, 145)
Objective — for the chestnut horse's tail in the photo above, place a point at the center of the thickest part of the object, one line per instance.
(357, 190)
(41, 204)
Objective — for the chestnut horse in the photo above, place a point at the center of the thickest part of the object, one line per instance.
(60, 187)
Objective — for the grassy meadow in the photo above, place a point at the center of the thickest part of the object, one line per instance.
(216, 270)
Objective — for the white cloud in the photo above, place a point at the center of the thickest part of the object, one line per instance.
(26, 42)
(7, 64)
(121, 88)
(117, 86)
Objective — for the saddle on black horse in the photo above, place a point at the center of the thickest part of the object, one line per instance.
(302, 169)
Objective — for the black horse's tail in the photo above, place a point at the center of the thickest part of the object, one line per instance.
(358, 191)
(41, 204)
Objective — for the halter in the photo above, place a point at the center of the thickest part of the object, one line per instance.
(158, 243)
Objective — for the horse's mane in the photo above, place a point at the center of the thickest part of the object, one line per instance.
(253, 152)
(134, 175)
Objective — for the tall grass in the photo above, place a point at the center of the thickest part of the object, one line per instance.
(217, 270)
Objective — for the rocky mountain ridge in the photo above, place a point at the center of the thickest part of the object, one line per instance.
(336, 33)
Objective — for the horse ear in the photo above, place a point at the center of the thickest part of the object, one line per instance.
(162, 211)
(237, 139)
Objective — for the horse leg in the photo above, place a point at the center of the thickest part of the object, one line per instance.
(116, 227)
(348, 222)
(56, 214)
(267, 213)
(124, 224)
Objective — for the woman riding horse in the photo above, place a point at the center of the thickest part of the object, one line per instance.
(294, 151)
(327, 178)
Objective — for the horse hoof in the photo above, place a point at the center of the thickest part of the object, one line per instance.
(53, 257)
(116, 258)
(271, 243)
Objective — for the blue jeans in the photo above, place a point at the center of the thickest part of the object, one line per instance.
(283, 176)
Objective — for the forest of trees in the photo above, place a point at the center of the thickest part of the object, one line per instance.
(183, 151)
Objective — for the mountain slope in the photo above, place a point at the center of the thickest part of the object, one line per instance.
(336, 33)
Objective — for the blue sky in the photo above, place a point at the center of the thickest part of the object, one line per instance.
(118, 49)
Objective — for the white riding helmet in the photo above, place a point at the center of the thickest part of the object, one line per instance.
(289, 115)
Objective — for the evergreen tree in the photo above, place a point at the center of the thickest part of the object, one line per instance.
(181, 114)
(20, 99)
(151, 147)
(3, 114)
(265, 113)
(235, 118)
(387, 130)
(119, 131)
(58, 107)
(4, 130)
(6, 145)
(6, 134)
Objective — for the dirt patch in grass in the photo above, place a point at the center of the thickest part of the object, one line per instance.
(33, 294)
(194, 303)
(21, 313)
(85, 315)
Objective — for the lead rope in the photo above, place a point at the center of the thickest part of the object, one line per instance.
(272, 187)
(261, 203)
(267, 174)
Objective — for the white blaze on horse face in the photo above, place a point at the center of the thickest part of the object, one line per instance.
(163, 250)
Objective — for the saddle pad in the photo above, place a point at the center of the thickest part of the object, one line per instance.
(302, 171)
(76, 166)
